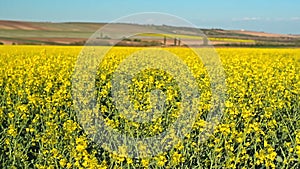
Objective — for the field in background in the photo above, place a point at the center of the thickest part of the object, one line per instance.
(47, 33)
(260, 127)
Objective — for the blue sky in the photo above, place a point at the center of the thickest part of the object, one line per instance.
(278, 16)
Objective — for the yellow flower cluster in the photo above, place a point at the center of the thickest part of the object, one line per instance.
(259, 128)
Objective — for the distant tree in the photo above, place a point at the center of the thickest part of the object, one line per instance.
(137, 40)
(205, 41)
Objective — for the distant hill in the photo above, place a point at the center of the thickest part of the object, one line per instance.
(76, 33)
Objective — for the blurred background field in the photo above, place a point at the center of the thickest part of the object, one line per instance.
(76, 33)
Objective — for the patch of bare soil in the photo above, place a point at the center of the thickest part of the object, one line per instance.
(19, 25)
(262, 34)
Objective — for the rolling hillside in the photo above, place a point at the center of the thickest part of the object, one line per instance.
(75, 33)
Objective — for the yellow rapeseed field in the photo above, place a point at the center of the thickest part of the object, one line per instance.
(259, 127)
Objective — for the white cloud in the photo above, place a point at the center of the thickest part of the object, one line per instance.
(266, 19)
(247, 19)
(295, 18)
